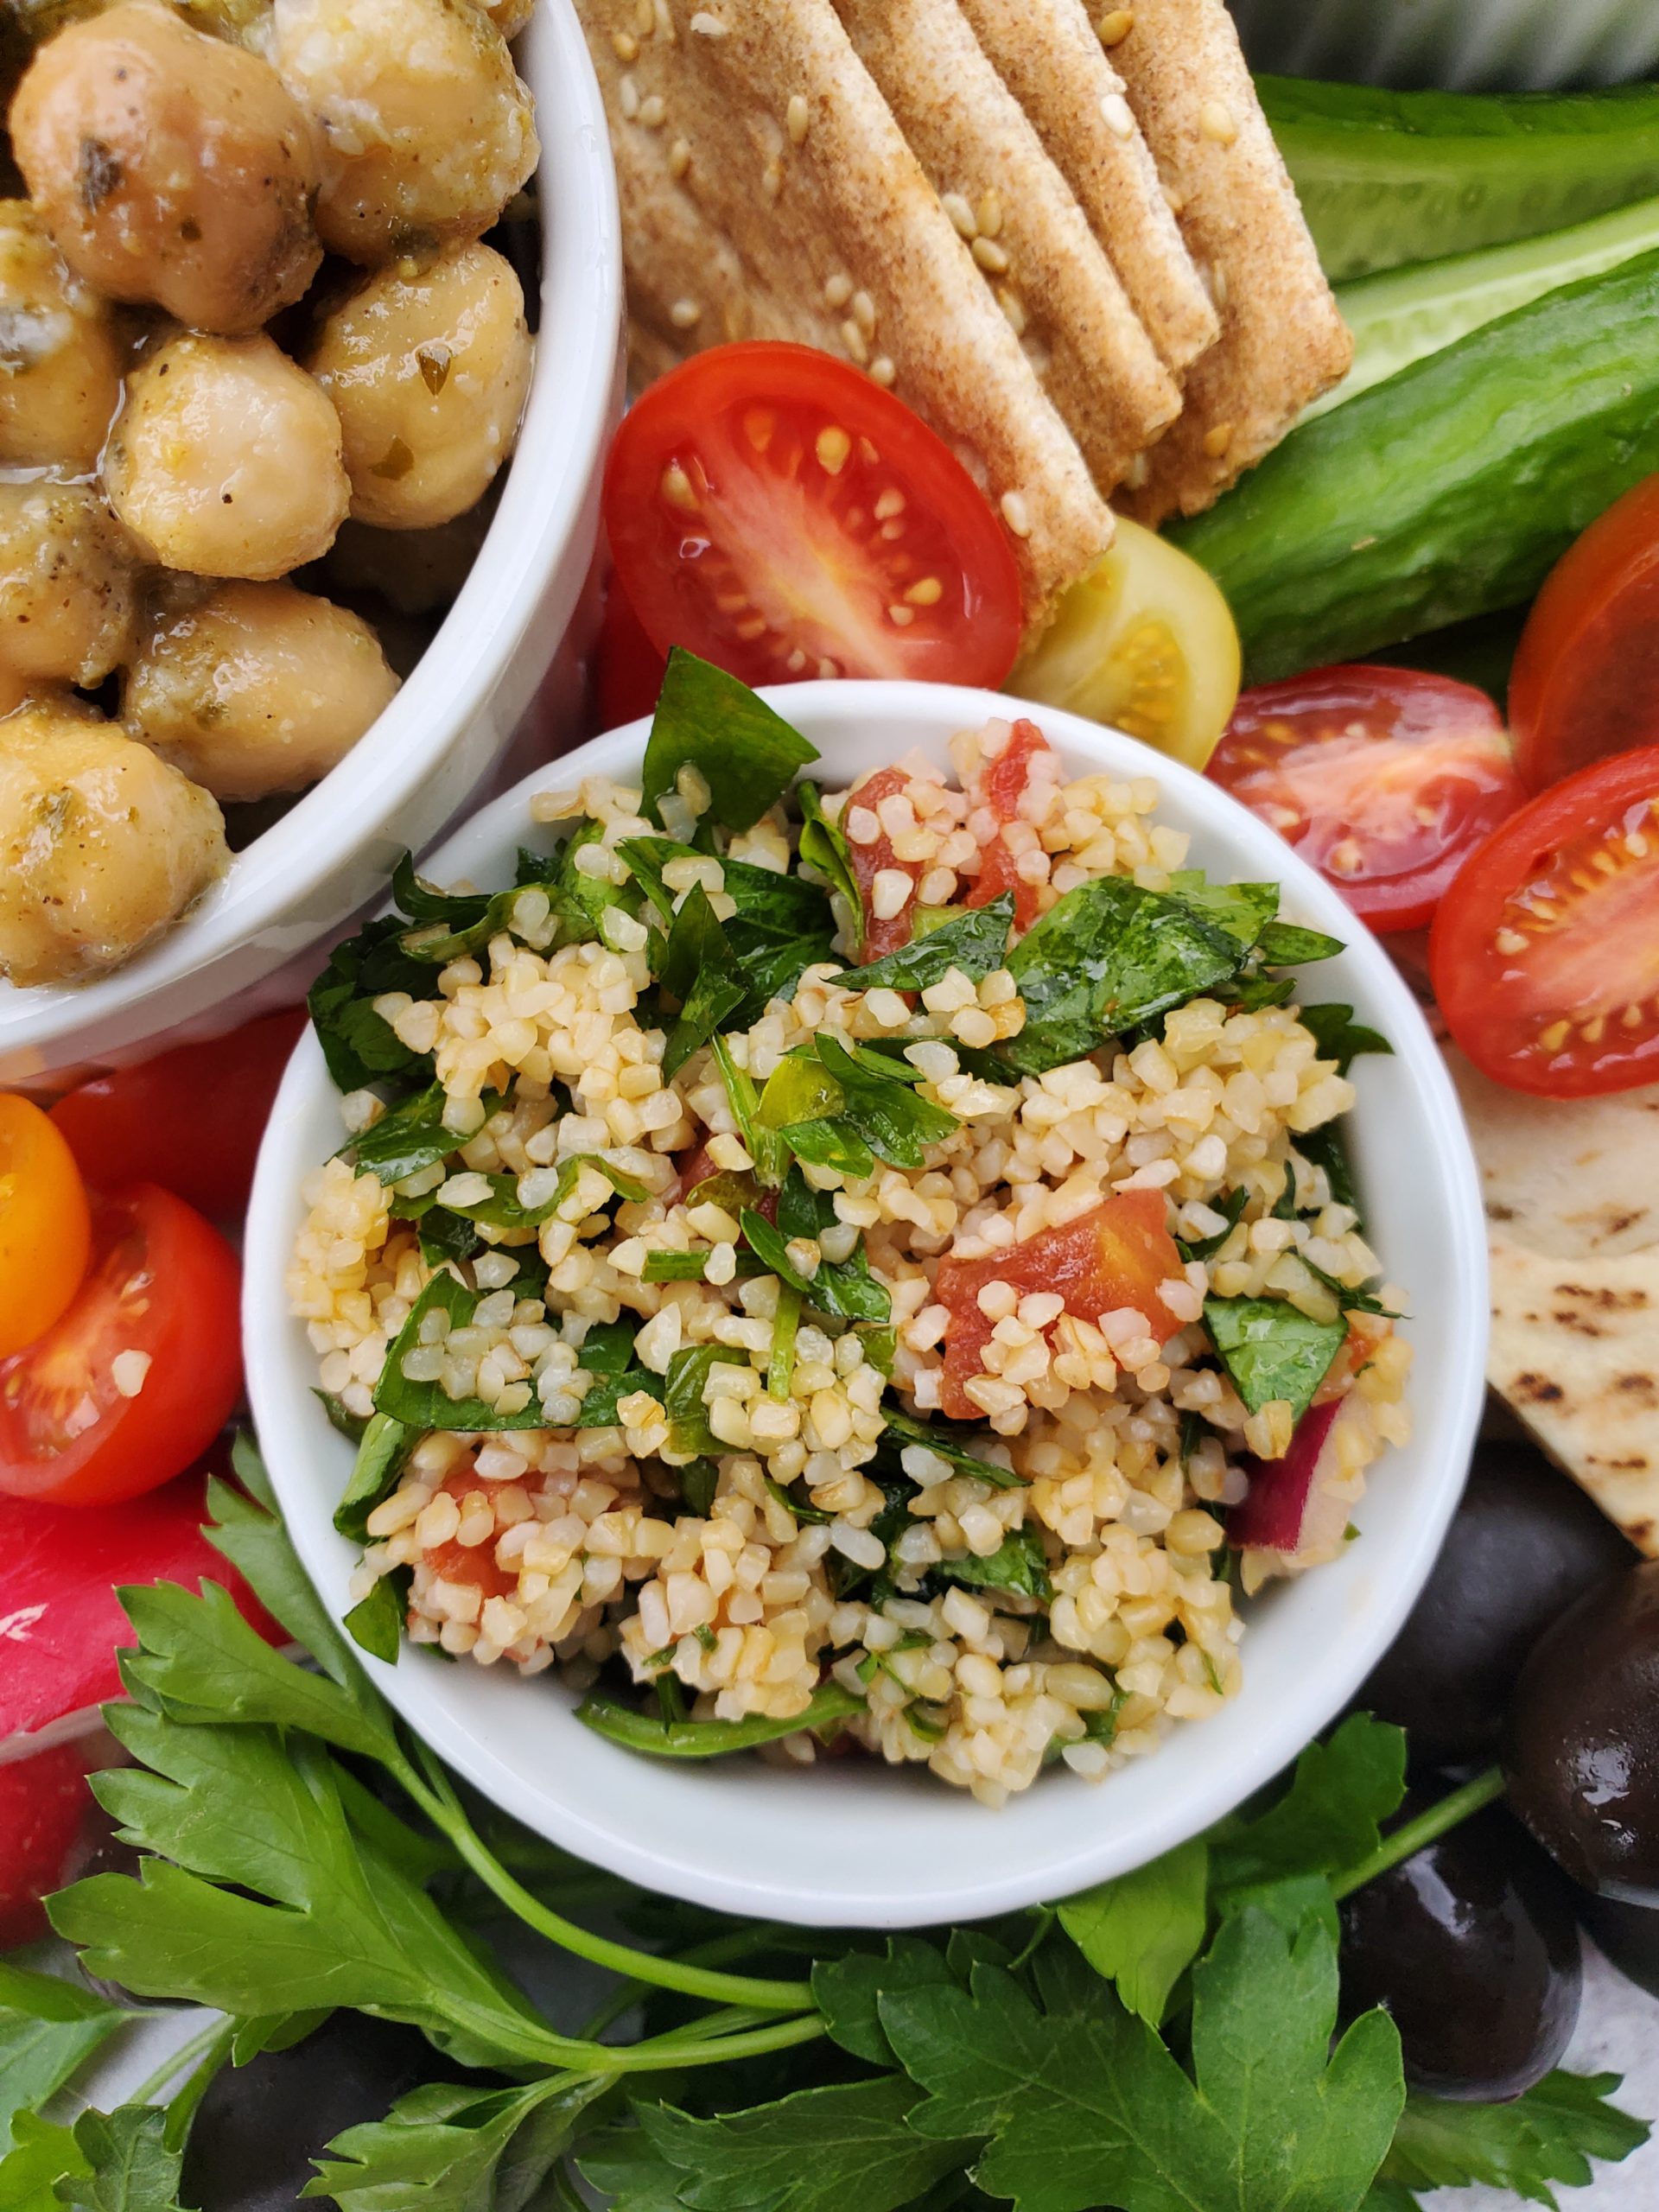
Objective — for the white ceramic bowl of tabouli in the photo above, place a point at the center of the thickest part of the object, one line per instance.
(906, 1291)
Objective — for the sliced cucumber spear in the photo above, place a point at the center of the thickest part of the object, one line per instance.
(1450, 490)
(1386, 178)
(1403, 314)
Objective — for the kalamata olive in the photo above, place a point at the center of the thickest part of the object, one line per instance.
(1629, 1934)
(1472, 1945)
(1525, 1543)
(1582, 1752)
(260, 2125)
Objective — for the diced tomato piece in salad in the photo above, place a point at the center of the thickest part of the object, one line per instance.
(1001, 786)
(471, 1567)
(1118, 1254)
(891, 933)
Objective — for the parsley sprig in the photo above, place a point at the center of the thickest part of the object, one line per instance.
(1163, 2040)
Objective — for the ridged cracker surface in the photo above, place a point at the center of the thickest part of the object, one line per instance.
(1282, 340)
(1049, 55)
(771, 194)
(1571, 1187)
(1042, 261)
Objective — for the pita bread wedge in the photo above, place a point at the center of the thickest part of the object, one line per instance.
(1575, 1351)
(1282, 341)
(1571, 1187)
(1049, 55)
(1025, 230)
(768, 191)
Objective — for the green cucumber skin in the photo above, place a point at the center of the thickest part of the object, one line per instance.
(1400, 314)
(1386, 178)
(1448, 491)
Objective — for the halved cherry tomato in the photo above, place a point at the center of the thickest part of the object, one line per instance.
(143, 1370)
(1545, 954)
(1145, 642)
(1384, 779)
(45, 1230)
(1586, 682)
(190, 1120)
(1001, 787)
(627, 668)
(1117, 1254)
(471, 1566)
(777, 512)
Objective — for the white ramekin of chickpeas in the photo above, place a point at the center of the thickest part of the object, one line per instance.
(285, 286)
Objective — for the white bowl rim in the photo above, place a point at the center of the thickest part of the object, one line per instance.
(566, 421)
(291, 1425)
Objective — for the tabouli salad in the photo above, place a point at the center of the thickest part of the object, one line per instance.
(878, 1264)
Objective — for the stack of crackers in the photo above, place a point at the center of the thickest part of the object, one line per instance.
(1065, 238)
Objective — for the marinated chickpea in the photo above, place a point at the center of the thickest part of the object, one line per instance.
(59, 363)
(509, 17)
(170, 166)
(426, 130)
(427, 368)
(66, 569)
(102, 845)
(226, 460)
(255, 688)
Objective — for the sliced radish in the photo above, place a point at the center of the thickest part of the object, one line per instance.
(1294, 1506)
(60, 1622)
(44, 1802)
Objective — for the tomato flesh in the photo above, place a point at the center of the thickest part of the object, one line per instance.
(84, 1422)
(45, 1230)
(1384, 779)
(472, 1567)
(1001, 787)
(888, 934)
(190, 1120)
(1586, 681)
(779, 513)
(628, 669)
(1545, 956)
(1117, 1254)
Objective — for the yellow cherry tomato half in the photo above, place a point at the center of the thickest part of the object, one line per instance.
(45, 1228)
(1143, 642)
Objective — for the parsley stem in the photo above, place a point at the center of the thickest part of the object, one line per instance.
(1414, 1833)
(187, 2055)
(181, 2108)
(716, 1952)
(680, 2048)
(438, 1801)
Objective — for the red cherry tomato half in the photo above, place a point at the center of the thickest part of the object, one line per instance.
(190, 1120)
(628, 669)
(777, 512)
(1586, 682)
(1545, 955)
(141, 1373)
(1384, 779)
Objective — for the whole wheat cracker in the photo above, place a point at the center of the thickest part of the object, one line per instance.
(1049, 55)
(1282, 340)
(1027, 230)
(772, 193)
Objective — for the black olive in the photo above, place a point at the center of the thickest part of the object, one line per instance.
(1582, 1752)
(1629, 1934)
(1472, 1945)
(260, 2125)
(1525, 1543)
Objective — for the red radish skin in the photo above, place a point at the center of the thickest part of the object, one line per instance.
(44, 1802)
(1281, 1510)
